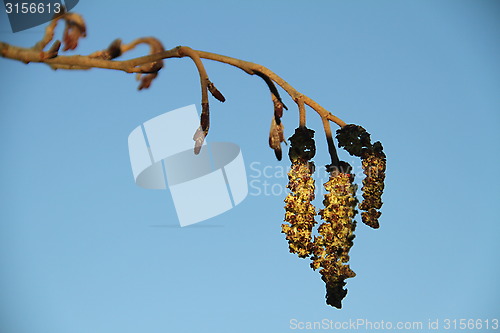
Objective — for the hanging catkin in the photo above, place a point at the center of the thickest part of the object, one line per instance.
(300, 212)
(331, 247)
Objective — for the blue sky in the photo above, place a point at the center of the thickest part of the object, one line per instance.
(83, 249)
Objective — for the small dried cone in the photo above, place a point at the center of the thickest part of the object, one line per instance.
(300, 212)
(331, 247)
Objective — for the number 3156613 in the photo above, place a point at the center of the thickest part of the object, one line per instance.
(33, 8)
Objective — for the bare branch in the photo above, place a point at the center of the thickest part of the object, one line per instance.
(150, 64)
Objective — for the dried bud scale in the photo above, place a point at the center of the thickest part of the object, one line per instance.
(215, 92)
(146, 80)
(300, 212)
(278, 109)
(331, 247)
(276, 137)
(205, 117)
(74, 30)
(53, 51)
(199, 138)
(114, 50)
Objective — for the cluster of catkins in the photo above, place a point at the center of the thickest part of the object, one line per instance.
(329, 248)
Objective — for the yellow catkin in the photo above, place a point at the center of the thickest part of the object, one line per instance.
(356, 140)
(335, 236)
(299, 210)
(374, 165)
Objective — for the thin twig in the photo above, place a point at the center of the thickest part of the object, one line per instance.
(331, 145)
(189, 52)
(250, 67)
(272, 88)
(48, 35)
(205, 115)
(302, 112)
(133, 66)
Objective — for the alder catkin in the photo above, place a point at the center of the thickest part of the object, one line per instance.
(374, 164)
(300, 212)
(336, 234)
(356, 140)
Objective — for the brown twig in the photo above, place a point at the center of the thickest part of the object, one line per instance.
(331, 145)
(205, 115)
(149, 64)
(49, 34)
(302, 112)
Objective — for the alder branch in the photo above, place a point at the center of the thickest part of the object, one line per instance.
(147, 68)
(330, 248)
